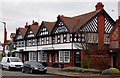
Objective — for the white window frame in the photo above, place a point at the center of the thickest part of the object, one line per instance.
(16, 54)
(44, 56)
(47, 40)
(20, 56)
(32, 56)
(62, 57)
(56, 57)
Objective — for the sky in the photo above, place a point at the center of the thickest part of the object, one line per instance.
(17, 12)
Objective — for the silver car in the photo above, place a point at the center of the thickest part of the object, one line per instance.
(33, 67)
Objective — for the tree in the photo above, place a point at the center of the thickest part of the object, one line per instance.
(11, 48)
(88, 44)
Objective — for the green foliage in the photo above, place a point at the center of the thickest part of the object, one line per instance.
(106, 72)
(114, 70)
(102, 63)
(72, 69)
(85, 62)
(78, 69)
(111, 71)
(0, 56)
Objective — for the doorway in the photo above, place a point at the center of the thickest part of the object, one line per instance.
(77, 59)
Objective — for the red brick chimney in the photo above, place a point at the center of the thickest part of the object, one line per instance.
(5, 38)
(100, 27)
(99, 6)
(26, 26)
(33, 22)
(16, 30)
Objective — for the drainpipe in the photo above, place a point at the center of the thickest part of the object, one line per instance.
(41, 56)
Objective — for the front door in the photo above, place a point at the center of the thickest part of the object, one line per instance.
(114, 57)
(77, 59)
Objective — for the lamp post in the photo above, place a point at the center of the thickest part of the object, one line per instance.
(4, 37)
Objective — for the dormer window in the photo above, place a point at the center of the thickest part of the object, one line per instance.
(61, 28)
(30, 34)
(43, 31)
(60, 24)
(19, 36)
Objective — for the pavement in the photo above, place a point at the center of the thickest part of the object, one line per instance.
(58, 71)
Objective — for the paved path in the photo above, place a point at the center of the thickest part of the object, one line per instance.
(59, 72)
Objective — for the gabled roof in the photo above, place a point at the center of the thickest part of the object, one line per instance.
(34, 28)
(85, 18)
(74, 23)
(12, 35)
(116, 26)
(49, 25)
(22, 31)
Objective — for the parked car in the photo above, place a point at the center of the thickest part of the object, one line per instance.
(33, 67)
(10, 63)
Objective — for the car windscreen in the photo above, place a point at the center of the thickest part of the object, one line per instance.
(15, 60)
(35, 63)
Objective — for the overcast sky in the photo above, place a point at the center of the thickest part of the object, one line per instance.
(17, 13)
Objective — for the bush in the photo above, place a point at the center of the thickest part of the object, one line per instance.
(111, 71)
(106, 72)
(72, 69)
(103, 63)
(91, 70)
(78, 69)
(114, 70)
(56, 65)
(85, 62)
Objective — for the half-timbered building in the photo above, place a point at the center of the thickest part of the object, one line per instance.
(20, 42)
(45, 48)
(62, 41)
(31, 41)
(115, 44)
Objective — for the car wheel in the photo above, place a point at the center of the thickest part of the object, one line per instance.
(9, 68)
(23, 71)
(44, 72)
(30, 71)
(2, 67)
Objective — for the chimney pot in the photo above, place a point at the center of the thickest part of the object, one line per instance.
(26, 26)
(26, 23)
(16, 29)
(33, 22)
(99, 6)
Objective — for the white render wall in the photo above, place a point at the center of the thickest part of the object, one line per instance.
(45, 47)
(20, 48)
(31, 48)
(51, 47)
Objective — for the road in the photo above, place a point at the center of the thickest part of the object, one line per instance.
(19, 74)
